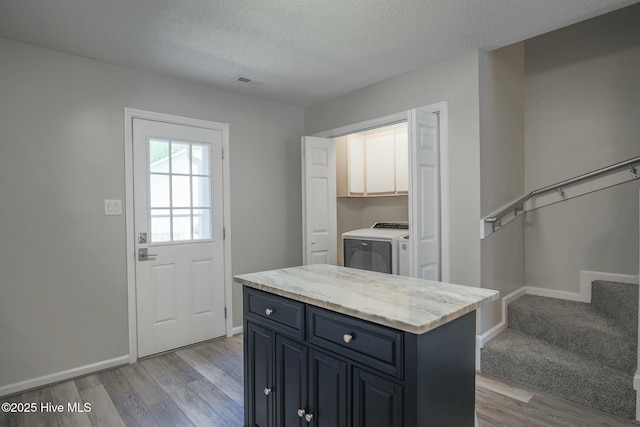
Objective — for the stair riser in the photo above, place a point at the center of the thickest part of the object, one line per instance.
(617, 352)
(618, 301)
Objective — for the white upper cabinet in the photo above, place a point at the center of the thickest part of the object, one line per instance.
(373, 163)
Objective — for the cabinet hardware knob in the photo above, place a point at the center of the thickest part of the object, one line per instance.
(308, 417)
(267, 391)
(301, 413)
(347, 338)
(268, 311)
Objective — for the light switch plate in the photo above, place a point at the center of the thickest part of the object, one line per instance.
(112, 207)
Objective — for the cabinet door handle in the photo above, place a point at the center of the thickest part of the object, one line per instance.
(267, 391)
(347, 338)
(301, 413)
(268, 312)
(308, 417)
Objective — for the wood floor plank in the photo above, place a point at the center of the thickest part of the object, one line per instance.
(225, 382)
(189, 402)
(222, 358)
(150, 392)
(12, 419)
(103, 411)
(180, 368)
(88, 381)
(39, 418)
(130, 406)
(67, 394)
(512, 391)
(168, 414)
(219, 401)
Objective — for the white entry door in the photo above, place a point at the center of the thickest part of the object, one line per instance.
(320, 243)
(424, 194)
(178, 209)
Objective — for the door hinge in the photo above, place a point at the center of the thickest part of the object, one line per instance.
(222, 153)
(224, 233)
(225, 312)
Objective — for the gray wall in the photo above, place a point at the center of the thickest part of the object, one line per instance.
(582, 112)
(62, 262)
(501, 74)
(455, 81)
(362, 212)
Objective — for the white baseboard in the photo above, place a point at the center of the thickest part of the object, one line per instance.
(636, 387)
(552, 293)
(586, 277)
(481, 340)
(236, 330)
(62, 376)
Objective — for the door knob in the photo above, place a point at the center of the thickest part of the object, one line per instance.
(347, 338)
(143, 254)
(267, 391)
(308, 417)
(301, 413)
(268, 311)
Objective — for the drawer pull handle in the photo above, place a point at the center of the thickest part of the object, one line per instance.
(268, 312)
(301, 413)
(267, 391)
(347, 338)
(308, 417)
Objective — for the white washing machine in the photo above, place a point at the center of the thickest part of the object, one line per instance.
(384, 247)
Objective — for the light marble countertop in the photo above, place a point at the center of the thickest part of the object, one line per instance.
(404, 303)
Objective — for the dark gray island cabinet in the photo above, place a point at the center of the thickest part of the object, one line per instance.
(327, 346)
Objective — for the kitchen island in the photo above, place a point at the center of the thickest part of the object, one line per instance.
(330, 346)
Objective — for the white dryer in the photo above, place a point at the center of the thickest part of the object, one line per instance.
(384, 247)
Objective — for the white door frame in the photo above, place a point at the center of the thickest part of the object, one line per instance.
(129, 115)
(440, 108)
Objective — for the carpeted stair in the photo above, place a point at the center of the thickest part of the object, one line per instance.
(581, 352)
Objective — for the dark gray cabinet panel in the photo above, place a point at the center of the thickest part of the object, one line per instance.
(329, 391)
(377, 402)
(291, 382)
(259, 376)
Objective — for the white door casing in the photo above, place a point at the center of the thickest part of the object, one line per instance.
(424, 200)
(319, 201)
(179, 296)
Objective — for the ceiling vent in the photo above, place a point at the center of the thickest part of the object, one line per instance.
(246, 80)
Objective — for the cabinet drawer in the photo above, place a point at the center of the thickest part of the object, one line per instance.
(373, 345)
(280, 313)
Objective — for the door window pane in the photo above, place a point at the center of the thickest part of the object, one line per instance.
(201, 224)
(201, 192)
(180, 157)
(179, 191)
(158, 155)
(181, 224)
(200, 159)
(159, 191)
(160, 225)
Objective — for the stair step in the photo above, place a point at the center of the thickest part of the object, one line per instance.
(536, 364)
(619, 301)
(577, 327)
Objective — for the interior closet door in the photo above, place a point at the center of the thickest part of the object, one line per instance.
(425, 200)
(319, 224)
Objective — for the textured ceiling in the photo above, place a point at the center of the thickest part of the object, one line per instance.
(299, 51)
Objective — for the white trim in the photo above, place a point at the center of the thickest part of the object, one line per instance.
(63, 375)
(636, 387)
(129, 115)
(552, 293)
(443, 109)
(237, 330)
(362, 126)
(586, 277)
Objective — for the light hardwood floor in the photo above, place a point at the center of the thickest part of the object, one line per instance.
(201, 385)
